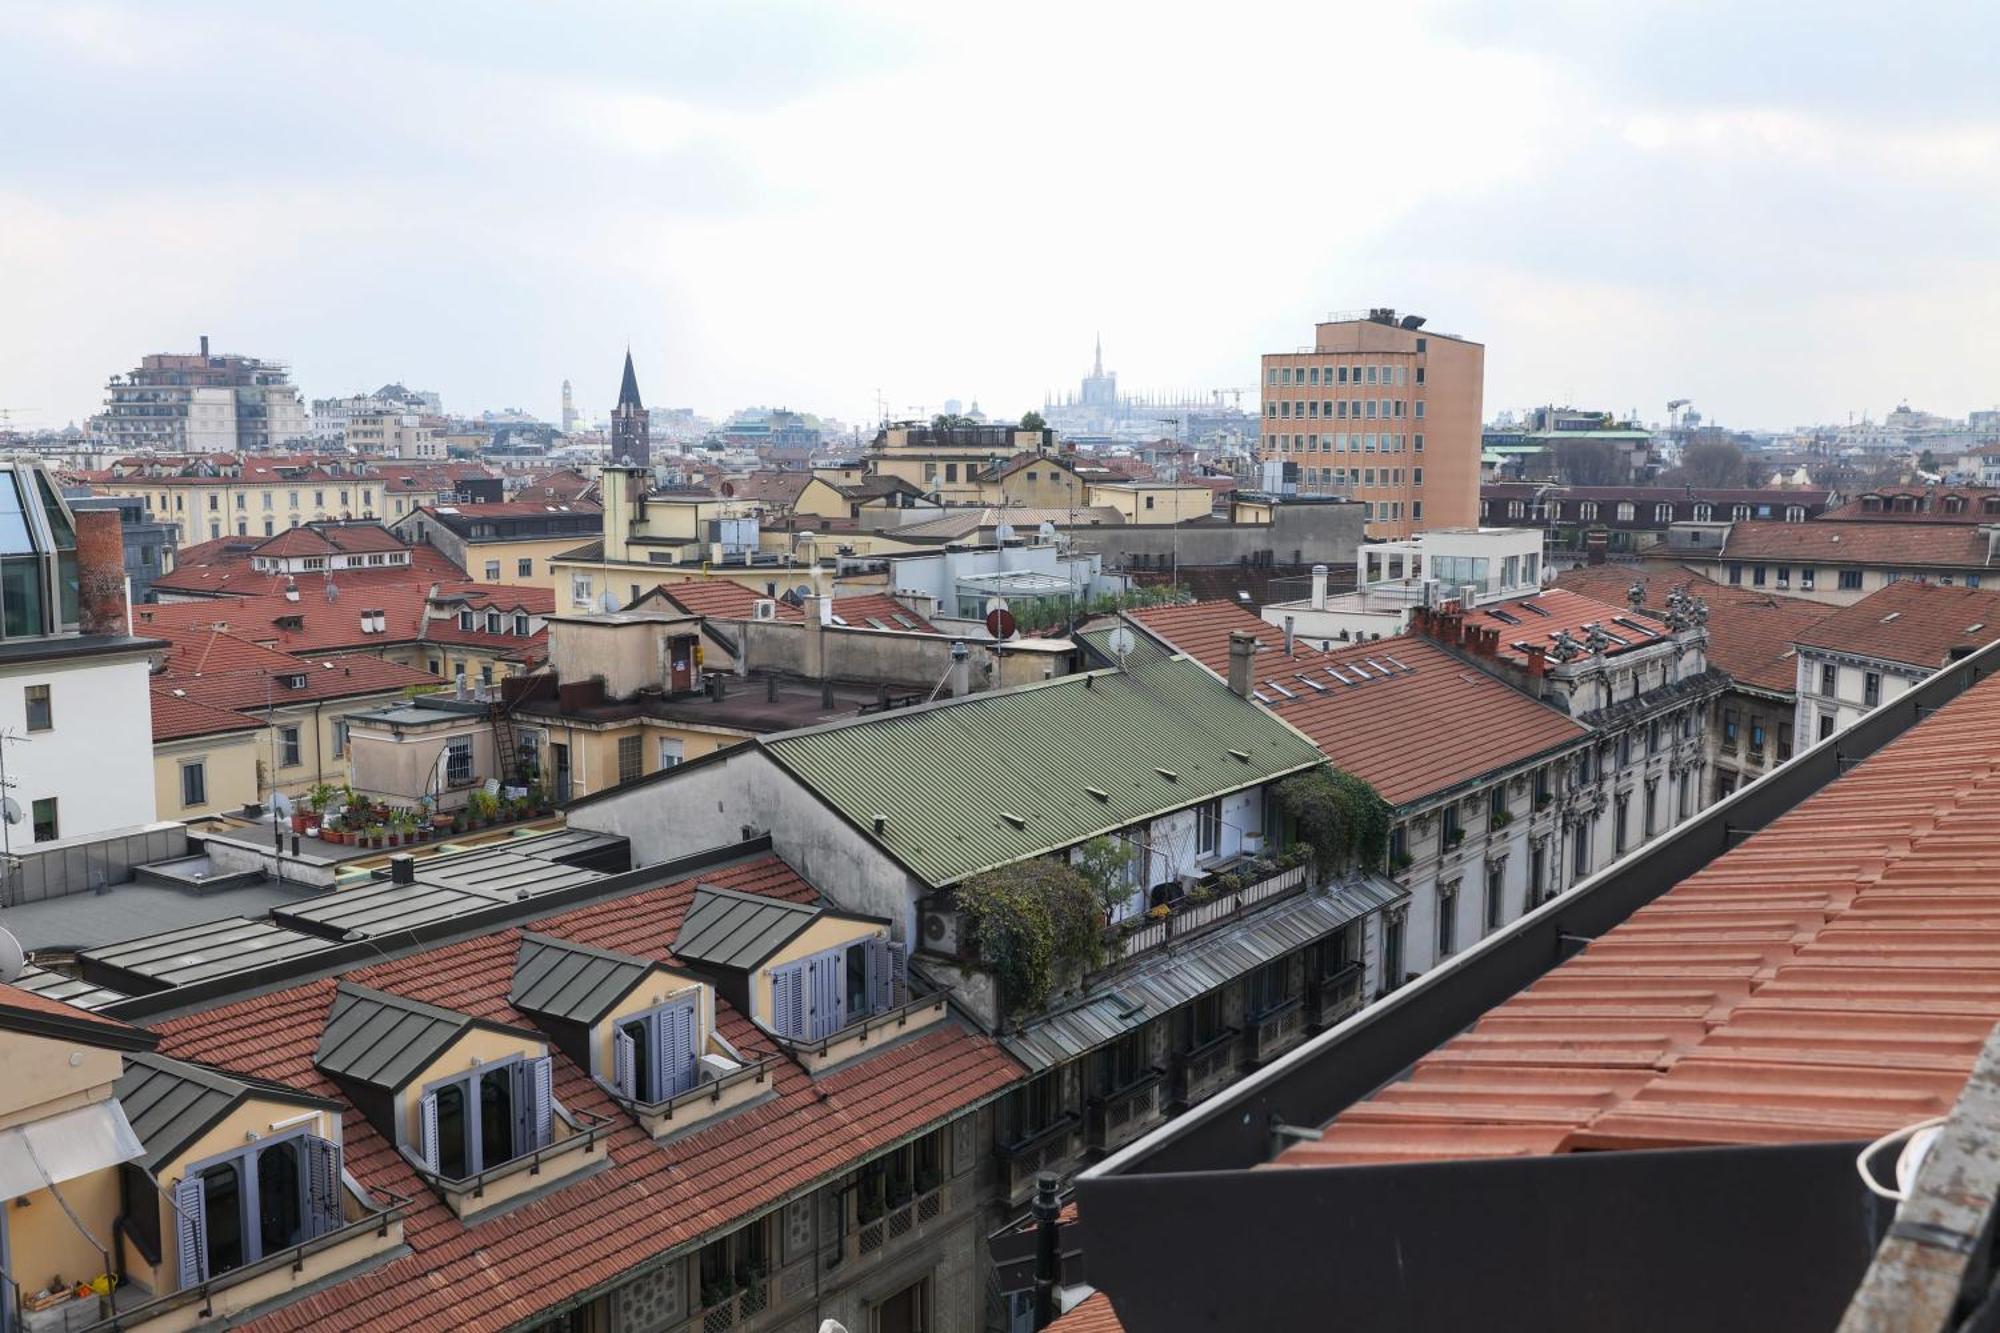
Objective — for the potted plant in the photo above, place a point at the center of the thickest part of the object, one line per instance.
(1502, 818)
(1403, 860)
(1159, 911)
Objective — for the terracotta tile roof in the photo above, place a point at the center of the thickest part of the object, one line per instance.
(859, 609)
(344, 538)
(1646, 495)
(1384, 728)
(314, 625)
(176, 717)
(1919, 545)
(1833, 977)
(1538, 619)
(1915, 623)
(1092, 1315)
(223, 569)
(772, 488)
(1974, 504)
(1750, 631)
(722, 599)
(653, 1198)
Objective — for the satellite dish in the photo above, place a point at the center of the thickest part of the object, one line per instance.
(1004, 533)
(10, 808)
(1000, 623)
(12, 957)
(1047, 530)
(1120, 641)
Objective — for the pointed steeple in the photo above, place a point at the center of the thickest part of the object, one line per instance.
(628, 392)
(1096, 366)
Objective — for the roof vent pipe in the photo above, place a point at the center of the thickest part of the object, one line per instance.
(1319, 590)
(1291, 627)
(403, 869)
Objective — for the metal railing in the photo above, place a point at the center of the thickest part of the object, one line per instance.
(897, 1018)
(750, 1298)
(1276, 1030)
(293, 1257)
(1207, 1067)
(1337, 996)
(1190, 917)
(584, 1139)
(872, 1237)
(711, 1091)
(1116, 1118)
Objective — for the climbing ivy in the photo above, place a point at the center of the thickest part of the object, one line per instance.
(1035, 922)
(1344, 818)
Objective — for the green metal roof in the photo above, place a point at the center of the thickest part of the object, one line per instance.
(970, 784)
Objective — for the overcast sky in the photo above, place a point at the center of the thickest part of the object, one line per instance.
(1784, 212)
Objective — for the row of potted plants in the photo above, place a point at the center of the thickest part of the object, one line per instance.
(340, 816)
(1254, 871)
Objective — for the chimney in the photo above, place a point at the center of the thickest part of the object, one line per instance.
(961, 670)
(1242, 661)
(1290, 629)
(103, 607)
(204, 347)
(1538, 660)
(402, 869)
(1595, 543)
(1319, 587)
(1048, 1249)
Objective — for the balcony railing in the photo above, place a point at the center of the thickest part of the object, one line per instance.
(1337, 996)
(1047, 1149)
(704, 1101)
(1115, 1119)
(307, 1263)
(850, 1041)
(470, 1195)
(1276, 1031)
(1207, 1069)
(748, 1300)
(879, 1235)
(1188, 917)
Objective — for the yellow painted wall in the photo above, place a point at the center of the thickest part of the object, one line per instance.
(229, 762)
(593, 750)
(538, 551)
(44, 1244)
(1045, 483)
(1170, 503)
(828, 932)
(187, 503)
(42, 1076)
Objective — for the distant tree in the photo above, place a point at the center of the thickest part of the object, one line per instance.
(951, 420)
(1033, 421)
(1587, 463)
(1927, 462)
(1712, 464)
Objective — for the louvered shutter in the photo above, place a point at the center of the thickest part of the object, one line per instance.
(676, 1027)
(899, 975)
(427, 1143)
(824, 974)
(880, 984)
(622, 1050)
(191, 1230)
(541, 1101)
(788, 1000)
(323, 1188)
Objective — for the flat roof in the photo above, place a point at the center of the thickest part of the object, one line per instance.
(80, 921)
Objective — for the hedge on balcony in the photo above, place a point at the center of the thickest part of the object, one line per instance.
(1344, 818)
(1035, 922)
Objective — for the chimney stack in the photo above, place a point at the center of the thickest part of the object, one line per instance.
(961, 670)
(1048, 1250)
(402, 869)
(1538, 660)
(1291, 628)
(1595, 543)
(1319, 588)
(204, 347)
(1242, 661)
(102, 606)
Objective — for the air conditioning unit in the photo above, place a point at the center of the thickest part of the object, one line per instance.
(764, 609)
(941, 931)
(714, 1067)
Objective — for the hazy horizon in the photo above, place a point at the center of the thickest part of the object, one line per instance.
(1783, 216)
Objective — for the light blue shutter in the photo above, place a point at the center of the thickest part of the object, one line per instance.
(823, 982)
(622, 1047)
(676, 1029)
(323, 1188)
(899, 975)
(541, 1100)
(191, 1230)
(788, 1000)
(427, 1142)
(880, 984)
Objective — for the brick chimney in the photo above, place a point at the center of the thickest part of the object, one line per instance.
(1595, 543)
(102, 607)
(1538, 660)
(1242, 661)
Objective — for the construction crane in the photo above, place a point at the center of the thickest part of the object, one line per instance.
(1675, 406)
(1235, 396)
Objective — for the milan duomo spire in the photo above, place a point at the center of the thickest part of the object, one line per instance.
(1097, 366)
(631, 432)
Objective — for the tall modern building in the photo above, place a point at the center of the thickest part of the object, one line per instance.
(176, 402)
(631, 432)
(1386, 411)
(569, 406)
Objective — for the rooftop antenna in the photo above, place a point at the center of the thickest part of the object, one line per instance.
(10, 809)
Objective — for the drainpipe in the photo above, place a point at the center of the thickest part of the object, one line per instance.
(1048, 1250)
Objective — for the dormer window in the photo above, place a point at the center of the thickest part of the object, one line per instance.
(654, 1055)
(486, 1117)
(295, 682)
(492, 622)
(465, 621)
(521, 626)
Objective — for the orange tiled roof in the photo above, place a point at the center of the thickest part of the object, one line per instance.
(1915, 623)
(1750, 631)
(1091, 1315)
(13, 997)
(722, 599)
(507, 1268)
(1923, 545)
(175, 716)
(314, 625)
(1539, 618)
(1390, 728)
(1833, 977)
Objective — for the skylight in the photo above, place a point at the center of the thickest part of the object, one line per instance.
(1538, 610)
(1891, 616)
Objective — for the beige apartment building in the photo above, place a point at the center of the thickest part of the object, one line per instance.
(1384, 410)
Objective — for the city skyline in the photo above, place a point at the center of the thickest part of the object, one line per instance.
(1618, 207)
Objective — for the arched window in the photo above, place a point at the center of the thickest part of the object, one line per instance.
(1627, 511)
(1704, 512)
(1663, 513)
(1741, 513)
(1795, 513)
(1515, 509)
(1589, 510)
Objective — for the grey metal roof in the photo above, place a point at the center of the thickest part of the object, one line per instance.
(386, 1040)
(382, 909)
(173, 1102)
(562, 979)
(724, 928)
(69, 990)
(505, 872)
(1157, 985)
(197, 953)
